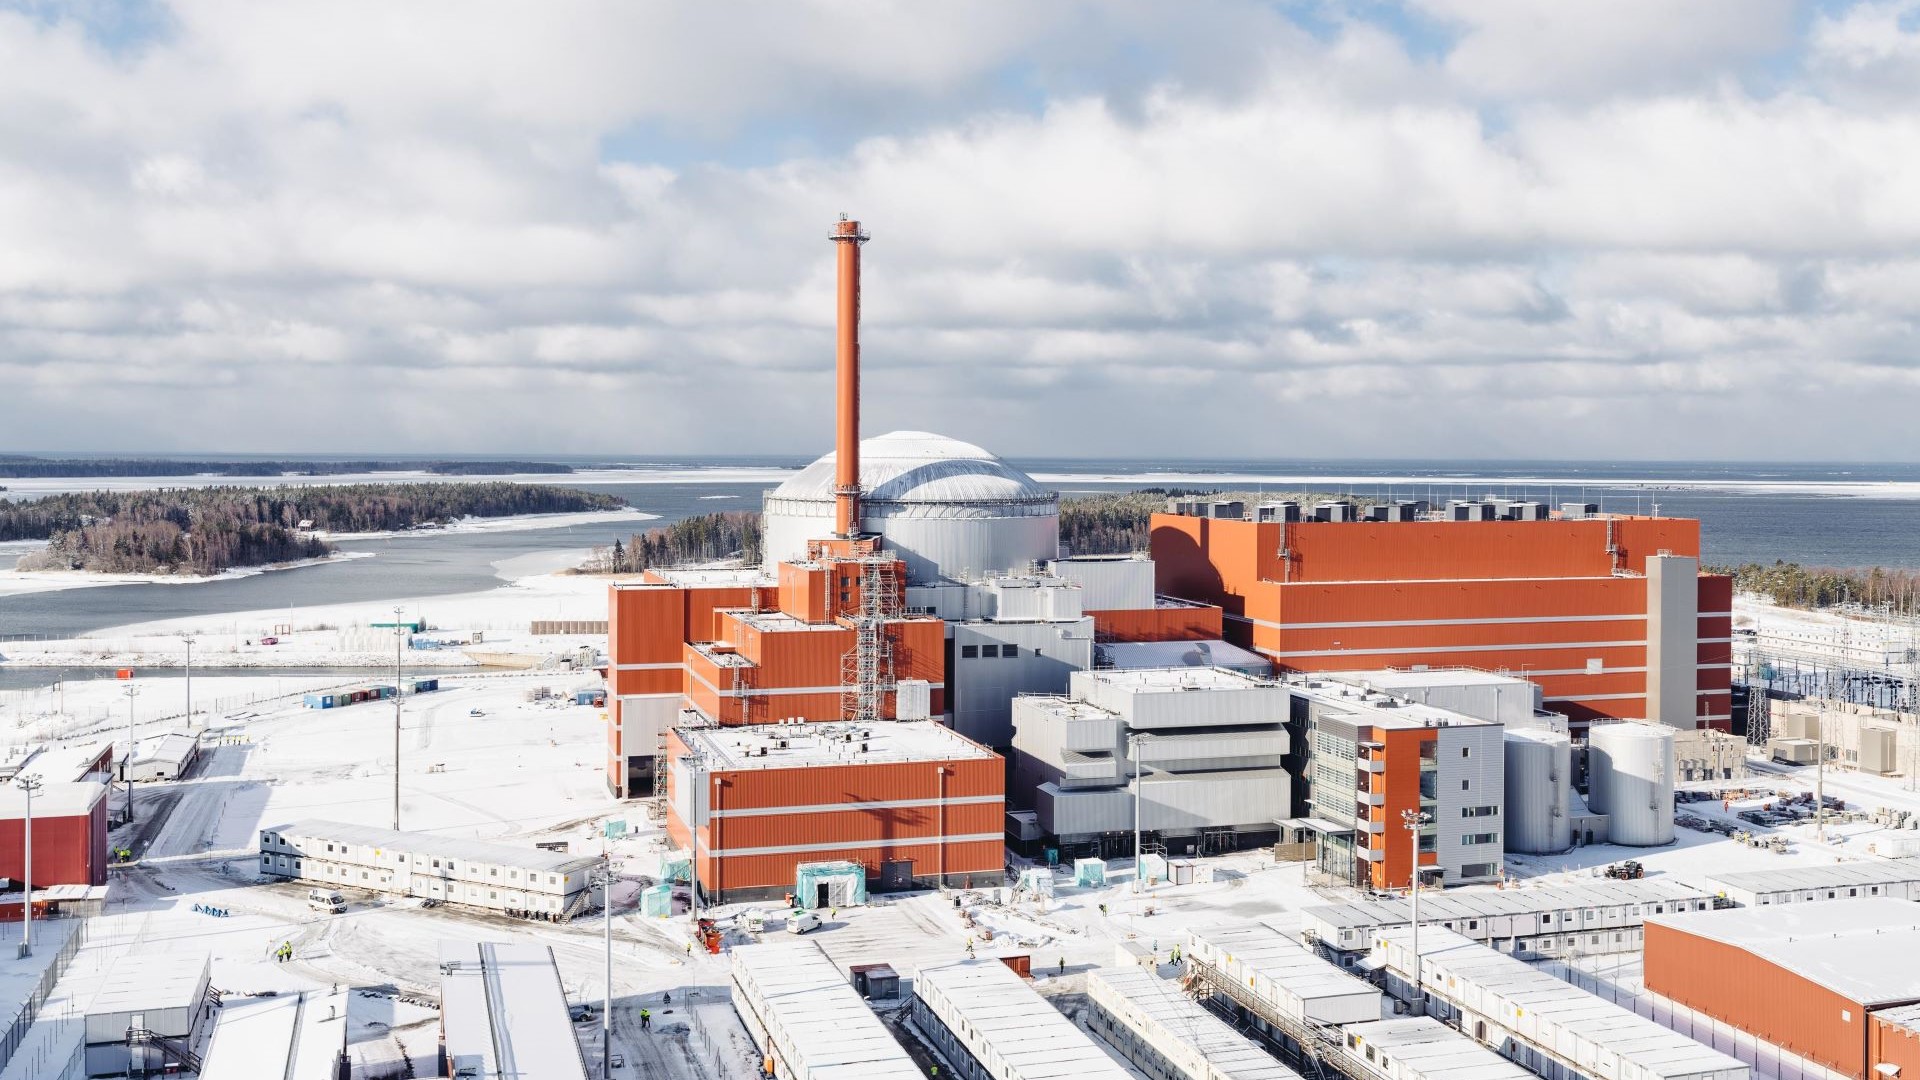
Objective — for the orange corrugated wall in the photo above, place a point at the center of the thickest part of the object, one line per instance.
(1158, 624)
(1757, 996)
(1894, 1045)
(819, 786)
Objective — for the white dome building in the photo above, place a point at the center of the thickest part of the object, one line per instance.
(949, 509)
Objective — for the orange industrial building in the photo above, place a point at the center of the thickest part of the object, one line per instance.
(1834, 981)
(1608, 614)
(910, 802)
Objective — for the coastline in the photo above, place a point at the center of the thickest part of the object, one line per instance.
(18, 582)
(14, 582)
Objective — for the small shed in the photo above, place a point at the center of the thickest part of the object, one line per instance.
(1089, 873)
(1181, 871)
(167, 757)
(829, 885)
(657, 900)
(425, 686)
(875, 981)
(318, 701)
(595, 697)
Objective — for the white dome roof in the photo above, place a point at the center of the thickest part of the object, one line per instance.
(920, 467)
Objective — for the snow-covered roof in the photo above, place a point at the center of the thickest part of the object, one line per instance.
(814, 1018)
(297, 1036)
(1427, 1049)
(479, 851)
(1181, 1027)
(782, 746)
(919, 467)
(504, 1012)
(1866, 949)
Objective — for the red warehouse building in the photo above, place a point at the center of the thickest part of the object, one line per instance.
(1609, 614)
(69, 833)
(1826, 980)
(911, 802)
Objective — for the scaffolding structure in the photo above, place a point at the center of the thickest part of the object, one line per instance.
(866, 672)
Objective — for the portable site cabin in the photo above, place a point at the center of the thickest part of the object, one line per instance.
(1089, 873)
(596, 698)
(425, 686)
(318, 701)
(829, 885)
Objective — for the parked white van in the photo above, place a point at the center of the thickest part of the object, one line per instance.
(326, 900)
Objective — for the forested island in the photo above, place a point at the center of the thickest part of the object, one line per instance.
(730, 535)
(208, 530)
(25, 466)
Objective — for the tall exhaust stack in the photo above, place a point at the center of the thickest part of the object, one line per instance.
(846, 449)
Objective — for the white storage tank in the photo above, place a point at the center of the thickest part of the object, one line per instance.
(1630, 779)
(1539, 791)
(951, 510)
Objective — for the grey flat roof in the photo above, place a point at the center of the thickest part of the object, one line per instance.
(1786, 879)
(1437, 906)
(54, 799)
(480, 851)
(1866, 949)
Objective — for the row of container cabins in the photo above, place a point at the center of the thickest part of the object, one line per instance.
(523, 882)
(1274, 1001)
(334, 699)
(1603, 917)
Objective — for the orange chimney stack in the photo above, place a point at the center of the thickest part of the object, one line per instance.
(846, 490)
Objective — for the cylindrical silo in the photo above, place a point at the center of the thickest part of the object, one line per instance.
(1630, 779)
(1539, 791)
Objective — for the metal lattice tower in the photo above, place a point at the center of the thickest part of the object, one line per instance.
(1759, 715)
(866, 673)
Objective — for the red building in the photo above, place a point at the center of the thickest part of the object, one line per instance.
(1834, 981)
(911, 802)
(69, 833)
(1608, 614)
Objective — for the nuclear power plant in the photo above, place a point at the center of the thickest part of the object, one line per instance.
(913, 617)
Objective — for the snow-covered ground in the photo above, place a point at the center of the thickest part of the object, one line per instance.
(526, 772)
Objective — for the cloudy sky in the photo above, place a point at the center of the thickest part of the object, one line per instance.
(1301, 228)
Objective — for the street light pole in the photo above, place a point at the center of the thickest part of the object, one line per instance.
(1139, 874)
(126, 763)
(940, 824)
(396, 719)
(1415, 820)
(28, 784)
(189, 642)
(606, 1010)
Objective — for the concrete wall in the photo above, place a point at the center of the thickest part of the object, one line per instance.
(1673, 639)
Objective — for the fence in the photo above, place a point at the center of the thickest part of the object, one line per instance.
(23, 1019)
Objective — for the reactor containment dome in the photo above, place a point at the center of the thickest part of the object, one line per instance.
(949, 509)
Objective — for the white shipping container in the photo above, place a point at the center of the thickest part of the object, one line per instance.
(1147, 1017)
(1601, 1039)
(1301, 985)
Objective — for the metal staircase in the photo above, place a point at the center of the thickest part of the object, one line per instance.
(146, 1045)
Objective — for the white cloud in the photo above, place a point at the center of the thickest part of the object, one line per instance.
(334, 226)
